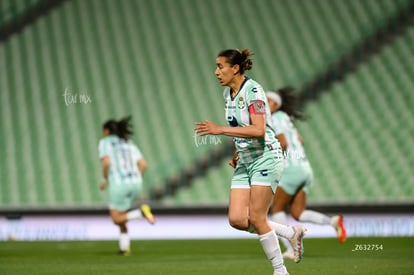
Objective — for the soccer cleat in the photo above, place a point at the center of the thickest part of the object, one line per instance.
(125, 252)
(146, 212)
(297, 242)
(338, 224)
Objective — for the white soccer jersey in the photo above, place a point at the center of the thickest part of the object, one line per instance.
(237, 115)
(123, 157)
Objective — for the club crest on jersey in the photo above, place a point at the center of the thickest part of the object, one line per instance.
(241, 103)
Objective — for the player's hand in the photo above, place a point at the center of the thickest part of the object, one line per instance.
(102, 185)
(234, 160)
(207, 127)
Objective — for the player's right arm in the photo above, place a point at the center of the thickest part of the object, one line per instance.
(256, 129)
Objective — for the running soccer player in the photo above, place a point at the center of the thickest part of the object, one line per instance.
(297, 176)
(122, 167)
(258, 162)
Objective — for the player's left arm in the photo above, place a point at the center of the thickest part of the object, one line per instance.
(142, 165)
(140, 161)
(256, 129)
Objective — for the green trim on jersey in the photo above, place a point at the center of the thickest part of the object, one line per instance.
(237, 115)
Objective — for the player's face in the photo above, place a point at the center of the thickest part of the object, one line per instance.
(224, 71)
(273, 106)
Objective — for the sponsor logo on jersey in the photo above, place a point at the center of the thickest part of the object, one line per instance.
(229, 106)
(232, 121)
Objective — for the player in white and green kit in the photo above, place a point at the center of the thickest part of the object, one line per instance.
(297, 177)
(122, 168)
(258, 160)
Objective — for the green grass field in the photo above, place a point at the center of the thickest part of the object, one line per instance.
(202, 257)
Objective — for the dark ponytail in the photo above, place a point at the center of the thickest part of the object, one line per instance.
(121, 128)
(289, 103)
(238, 57)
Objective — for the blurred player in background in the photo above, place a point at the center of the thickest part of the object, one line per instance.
(122, 168)
(297, 176)
(258, 162)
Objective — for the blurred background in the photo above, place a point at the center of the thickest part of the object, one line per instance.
(66, 66)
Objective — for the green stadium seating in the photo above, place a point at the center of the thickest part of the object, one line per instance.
(11, 9)
(154, 60)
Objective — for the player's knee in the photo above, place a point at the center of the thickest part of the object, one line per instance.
(240, 223)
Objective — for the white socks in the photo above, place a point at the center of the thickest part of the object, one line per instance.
(271, 248)
(306, 216)
(124, 242)
(314, 217)
(282, 230)
(280, 218)
(134, 214)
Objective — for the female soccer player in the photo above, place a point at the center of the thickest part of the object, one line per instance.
(122, 167)
(259, 163)
(297, 176)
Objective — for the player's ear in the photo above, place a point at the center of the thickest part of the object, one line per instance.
(236, 69)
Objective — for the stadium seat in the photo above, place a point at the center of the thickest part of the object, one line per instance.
(154, 60)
